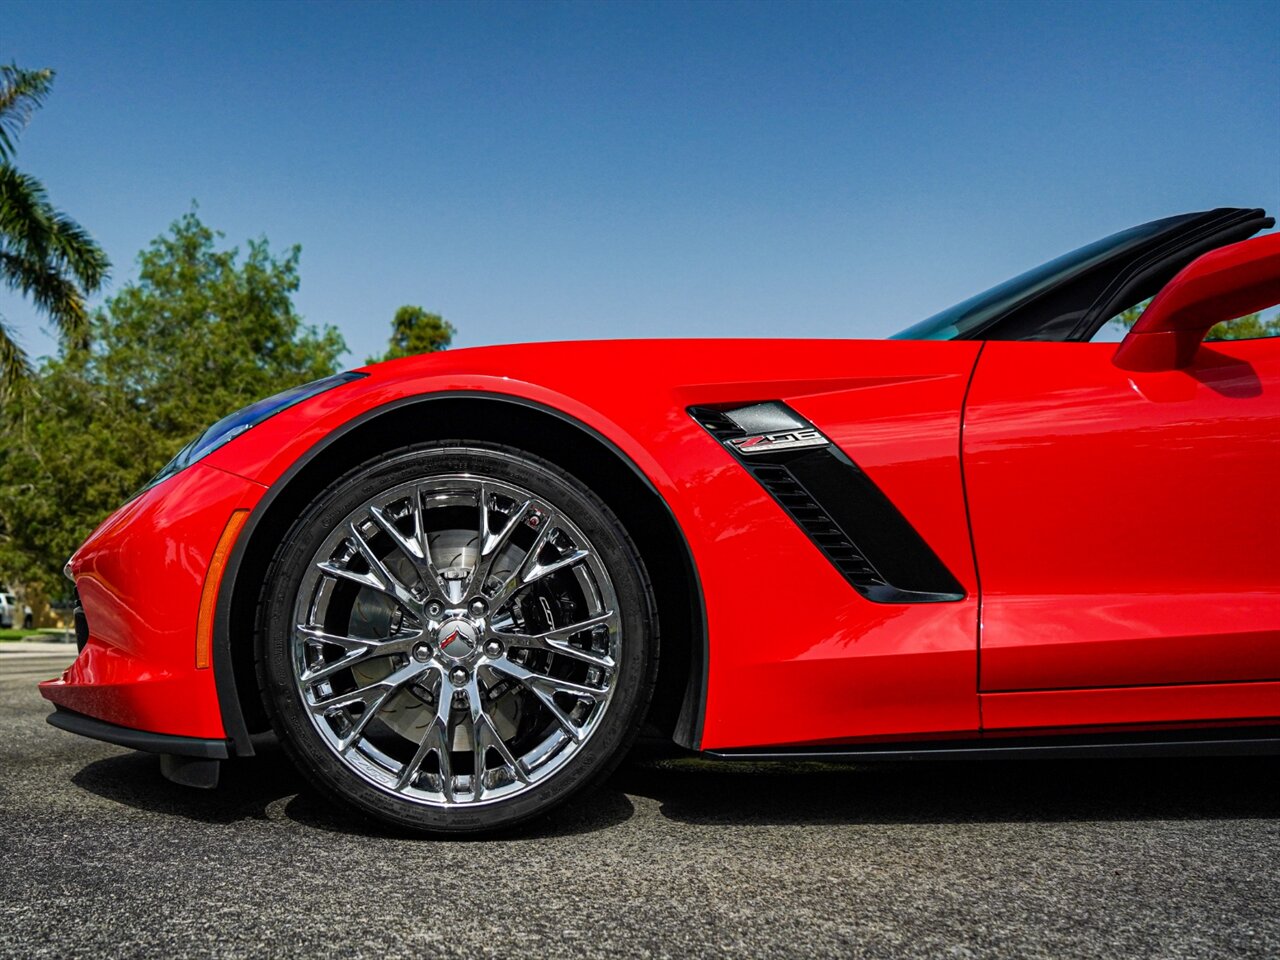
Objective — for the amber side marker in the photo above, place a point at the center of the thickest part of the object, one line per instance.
(212, 581)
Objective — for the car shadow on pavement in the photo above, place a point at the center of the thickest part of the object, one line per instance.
(268, 787)
(697, 791)
(719, 792)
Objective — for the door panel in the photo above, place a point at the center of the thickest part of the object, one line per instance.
(1125, 525)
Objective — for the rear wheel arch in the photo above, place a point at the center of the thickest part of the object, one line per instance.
(679, 698)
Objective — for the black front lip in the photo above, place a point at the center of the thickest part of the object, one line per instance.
(78, 723)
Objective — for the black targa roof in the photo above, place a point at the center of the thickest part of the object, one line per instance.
(1071, 297)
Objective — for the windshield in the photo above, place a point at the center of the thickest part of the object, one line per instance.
(972, 315)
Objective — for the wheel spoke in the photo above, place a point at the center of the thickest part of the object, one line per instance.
(540, 570)
(354, 649)
(420, 532)
(531, 569)
(364, 579)
(492, 541)
(435, 739)
(415, 548)
(537, 680)
(479, 722)
(378, 578)
(490, 738)
(371, 696)
(514, 582)
(557, 640)
(440, 731)
(484, 735)
(545, 688)
(414, 764)
(323, 671)
(391, 584)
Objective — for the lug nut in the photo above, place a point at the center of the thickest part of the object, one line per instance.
(478, 607)
(422, 652)
(493, 649)
(435, 608)
(458, 676)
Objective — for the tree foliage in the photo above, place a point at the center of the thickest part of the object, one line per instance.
(44, 254)
(415, 331)
(22, 92)
(200, 333)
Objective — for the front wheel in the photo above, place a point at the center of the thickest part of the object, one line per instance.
(456, 637)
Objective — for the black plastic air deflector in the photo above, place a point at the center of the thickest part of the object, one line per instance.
(857, 528)
(205, 749)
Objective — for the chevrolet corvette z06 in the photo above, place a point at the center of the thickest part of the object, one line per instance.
(456, 586)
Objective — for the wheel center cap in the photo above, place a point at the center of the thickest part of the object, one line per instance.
(456, 639)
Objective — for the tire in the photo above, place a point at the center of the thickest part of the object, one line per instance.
(399, 652)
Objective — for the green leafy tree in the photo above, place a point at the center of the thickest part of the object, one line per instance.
(201, 332)
(44, 254)
(415, 331)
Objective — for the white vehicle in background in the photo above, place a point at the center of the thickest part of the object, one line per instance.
(9, 611)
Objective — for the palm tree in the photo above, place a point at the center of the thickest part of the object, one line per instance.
(44, 254)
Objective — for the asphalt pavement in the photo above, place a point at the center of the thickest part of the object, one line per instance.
(99, 856)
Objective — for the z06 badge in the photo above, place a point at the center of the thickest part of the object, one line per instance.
(775, 442)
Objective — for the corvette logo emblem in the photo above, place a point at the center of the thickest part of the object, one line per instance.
(774, 442)
(457, 640)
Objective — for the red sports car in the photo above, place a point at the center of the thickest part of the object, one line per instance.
(457, 585)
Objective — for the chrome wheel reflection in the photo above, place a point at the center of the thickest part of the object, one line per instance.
(456, 640)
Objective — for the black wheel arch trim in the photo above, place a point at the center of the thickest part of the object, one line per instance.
(689, 723)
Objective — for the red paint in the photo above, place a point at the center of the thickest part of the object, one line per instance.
(140, 575)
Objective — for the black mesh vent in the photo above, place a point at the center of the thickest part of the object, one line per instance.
(817, 523)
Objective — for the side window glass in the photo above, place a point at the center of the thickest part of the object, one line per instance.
(1253, 326)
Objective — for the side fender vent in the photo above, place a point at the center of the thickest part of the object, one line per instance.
(848, 518)
(824, 531)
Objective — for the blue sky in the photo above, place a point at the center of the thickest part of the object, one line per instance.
(546, 171)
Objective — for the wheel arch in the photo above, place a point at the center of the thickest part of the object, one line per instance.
(679, 699)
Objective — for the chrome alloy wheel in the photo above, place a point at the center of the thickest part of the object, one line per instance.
(455, 640)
